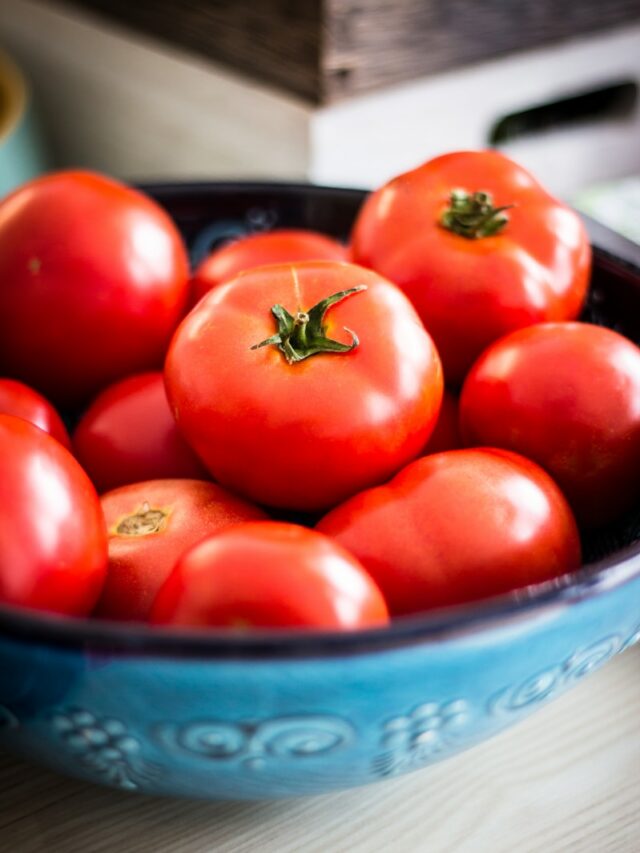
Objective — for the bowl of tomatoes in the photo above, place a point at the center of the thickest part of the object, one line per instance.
(325, 568)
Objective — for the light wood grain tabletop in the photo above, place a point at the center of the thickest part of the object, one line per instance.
(566, 779)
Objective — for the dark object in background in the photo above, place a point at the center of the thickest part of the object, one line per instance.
(326, 50)
(616, 101)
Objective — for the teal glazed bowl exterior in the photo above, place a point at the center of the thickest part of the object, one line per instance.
(289, 714)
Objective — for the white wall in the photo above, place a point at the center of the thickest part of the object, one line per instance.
(133, 107)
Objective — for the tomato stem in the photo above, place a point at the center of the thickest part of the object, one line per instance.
(305, 334)
(472, 215)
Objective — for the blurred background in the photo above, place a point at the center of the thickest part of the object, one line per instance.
(346, 92)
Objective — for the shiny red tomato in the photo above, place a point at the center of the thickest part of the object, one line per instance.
(568, 396)
(269, 574)
(53, 545)
(479, 247)
(93, 280)
(446, 435)
(18, 399)
(150, 526)
(256, 250)
(299, 385)
(128, 435)
(458, 526)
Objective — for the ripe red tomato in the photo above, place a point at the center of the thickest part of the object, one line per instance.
(458, 526)
(269, 574)
(128, 435)
(93, 280)
(568, 396)
(150, 526)
(53, 544)
(18, 399)
(344, 393)
(256, 250)
(446, 435)
(473, 269)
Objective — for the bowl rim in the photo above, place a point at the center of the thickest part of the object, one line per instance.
(536, 601)
(443, 624)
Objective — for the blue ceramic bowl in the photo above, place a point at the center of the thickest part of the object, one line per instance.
(283, 714)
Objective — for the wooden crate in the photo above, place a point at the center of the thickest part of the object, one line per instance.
(329, 50)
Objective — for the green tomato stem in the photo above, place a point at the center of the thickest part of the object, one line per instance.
(303, 335)
(472, 215)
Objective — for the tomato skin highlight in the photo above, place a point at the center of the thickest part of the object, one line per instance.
(469, 292)
(20, 400)
(256, 250)
(456, 527)
(139, 564)
(304, 435)
(269, 575)
(93, 281)
(566, 395)
(129, 435)
(53, 544)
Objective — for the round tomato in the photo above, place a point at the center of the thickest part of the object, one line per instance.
(18, 399)
(479, 247)
(299, 385)
(128, 435)
(458, 526)
(93, 280)
(269, 574)
(568, 396)
(150, 526)
(53, 545)
(256, 250)
(446, 435)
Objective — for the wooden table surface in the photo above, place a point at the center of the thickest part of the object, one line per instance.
(566, 779)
